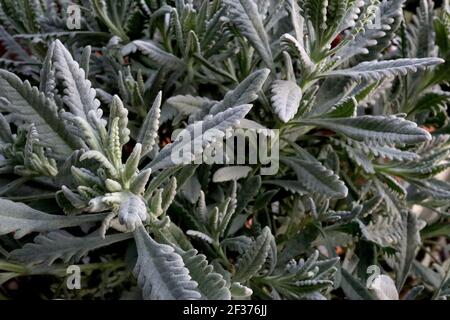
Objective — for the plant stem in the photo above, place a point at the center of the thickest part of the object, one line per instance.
(33, 197)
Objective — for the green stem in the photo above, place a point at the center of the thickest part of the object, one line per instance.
(4, 252)
(214, 69)
(222, 254)
(103, 15)
(11, 267)
(13, 185)
(33, 197)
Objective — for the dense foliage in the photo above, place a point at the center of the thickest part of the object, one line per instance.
(355, 88)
